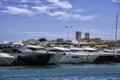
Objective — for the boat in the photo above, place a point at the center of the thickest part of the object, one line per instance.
(89, 54)
(107, 57)
(69, 56)
(92, 55)
(55, 56)
(6, 59)
(26, 57)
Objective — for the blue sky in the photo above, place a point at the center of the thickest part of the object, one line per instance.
(33, 19)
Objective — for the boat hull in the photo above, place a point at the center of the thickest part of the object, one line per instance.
(78, 57)
(89, 57)
(5, 59)
(71, 58)
(107, 58)
(55, 58)
(32, 60)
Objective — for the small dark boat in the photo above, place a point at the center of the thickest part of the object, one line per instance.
(108, 56)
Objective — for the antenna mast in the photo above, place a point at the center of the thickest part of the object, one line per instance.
(116, 27)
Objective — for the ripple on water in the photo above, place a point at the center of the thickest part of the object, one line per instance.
(62, 72)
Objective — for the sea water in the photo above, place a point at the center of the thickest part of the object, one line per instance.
(62, 72)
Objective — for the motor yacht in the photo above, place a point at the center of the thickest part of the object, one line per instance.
(55, 56)
(88, 54)
(27, 57)
(69, 56)
(95, 56)
(108, 56)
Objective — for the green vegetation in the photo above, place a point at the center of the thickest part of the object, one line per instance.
(37, 43)
(48, 45)
(118, 45)
(102, 43)
(108, 44)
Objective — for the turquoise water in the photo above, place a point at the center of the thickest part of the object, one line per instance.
(62, 72)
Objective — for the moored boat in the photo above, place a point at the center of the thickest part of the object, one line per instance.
(69, 56)
(27, 57)
(55, 56)
(108, 56)
(89, 54)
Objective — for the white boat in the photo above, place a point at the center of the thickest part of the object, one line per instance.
(95, 56)
(89, 55)
(69, 56)
(6, 59)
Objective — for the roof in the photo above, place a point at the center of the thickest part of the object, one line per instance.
(33, 46)
(89, 48)
(58, 48)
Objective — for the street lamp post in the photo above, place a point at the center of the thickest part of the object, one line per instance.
(68, 31)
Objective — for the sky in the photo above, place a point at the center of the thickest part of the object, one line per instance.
(34, 19)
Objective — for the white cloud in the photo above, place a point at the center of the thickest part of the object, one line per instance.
(62, 4)
(61, 15)
(56, 9)
(118, 1)
(68, 16)
(16, 10)
(41, 8)
(79, 10)
(58, 13)
(90, 17)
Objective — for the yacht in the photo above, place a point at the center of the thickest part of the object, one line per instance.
(108, 56)
(27, 57)
(55, 56)
(95, 56)
(69, 56)
(88, 54)
(6, 59)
